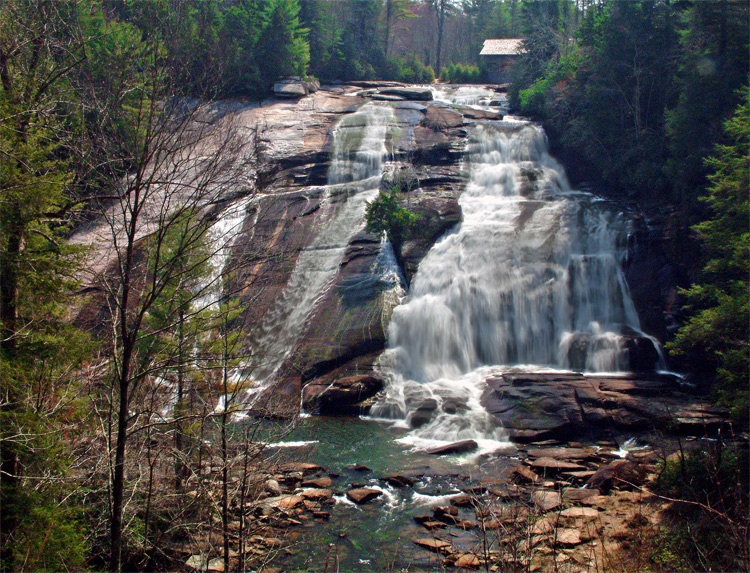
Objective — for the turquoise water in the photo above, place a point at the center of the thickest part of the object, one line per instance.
(376, 536)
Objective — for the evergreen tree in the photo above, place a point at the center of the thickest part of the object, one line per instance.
(39, 46)
(713, 62)
(282, 48)
(717, 334)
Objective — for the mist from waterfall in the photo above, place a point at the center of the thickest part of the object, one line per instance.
(530, 279)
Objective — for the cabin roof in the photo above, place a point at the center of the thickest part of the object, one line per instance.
(504, 47)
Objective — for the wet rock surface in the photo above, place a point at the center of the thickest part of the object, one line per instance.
(342, 396)
(479, 517)
(345, 332)
(540, 406)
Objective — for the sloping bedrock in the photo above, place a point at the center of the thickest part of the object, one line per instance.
(266, 251)
(432, 145)
(349, 323)
(348, 329)
(540, 406)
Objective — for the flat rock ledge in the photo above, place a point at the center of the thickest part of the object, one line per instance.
(567, 405)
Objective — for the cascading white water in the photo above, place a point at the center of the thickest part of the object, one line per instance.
(353, 180)
(530, 274)
(465, 95)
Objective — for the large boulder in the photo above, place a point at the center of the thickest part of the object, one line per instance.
(342, 396)
(455, 448)
(540, 406)
(295, 87)
(423, 414)
(620, 474)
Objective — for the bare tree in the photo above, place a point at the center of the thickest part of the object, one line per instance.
(180, 159)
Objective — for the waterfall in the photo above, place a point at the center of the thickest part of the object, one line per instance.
(353, 180)
(529, 279)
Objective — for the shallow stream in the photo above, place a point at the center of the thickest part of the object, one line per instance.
(376, 536)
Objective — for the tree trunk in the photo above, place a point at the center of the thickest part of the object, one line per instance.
(9, 482)
(118, 478)
(440, 11)
(388, 11)
(127, 339)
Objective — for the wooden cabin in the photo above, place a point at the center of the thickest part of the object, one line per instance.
(498, 56)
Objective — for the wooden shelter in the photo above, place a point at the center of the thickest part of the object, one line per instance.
(498, 56)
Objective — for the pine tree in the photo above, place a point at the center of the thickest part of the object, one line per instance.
(717, 332)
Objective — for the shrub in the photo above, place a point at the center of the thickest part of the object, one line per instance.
(461, 74)
(709, 523)
(386, 214)
(410, 70)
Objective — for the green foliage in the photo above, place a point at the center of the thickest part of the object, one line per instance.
(179, 261)
(708, 529)
(385, 214)
(717, 332)
(461, 74)
(410, 70)
(604, 99)
(50, 534)
(713, 60)
(282, 48)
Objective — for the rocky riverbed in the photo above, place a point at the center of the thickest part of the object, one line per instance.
(546, 506)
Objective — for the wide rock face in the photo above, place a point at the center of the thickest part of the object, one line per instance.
(346, 328)
(540, 406)
(287, 205)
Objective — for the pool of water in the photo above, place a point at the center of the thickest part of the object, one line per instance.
(376, 536)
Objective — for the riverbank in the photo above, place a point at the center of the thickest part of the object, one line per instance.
(546, 506)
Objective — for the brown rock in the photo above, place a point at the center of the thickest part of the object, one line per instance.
(290, 501)
(460, 447)
(522, 474)
(321, 482)
(360, 468)
(445, 510)
(273, 487)
(546, 500)
(462, 499)
(399, 481)
(299, 467)
(578, 512)
(317, 494)
(272, 542)
(568, 537)
(311, 505)
(562, 453)
(422, 519)
(468, 561)
(578, 495)
(432, 544)
(553, 465)
(579, 476)
(621, 474)
(363, 495)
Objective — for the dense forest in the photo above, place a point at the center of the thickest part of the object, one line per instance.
(647, 101)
